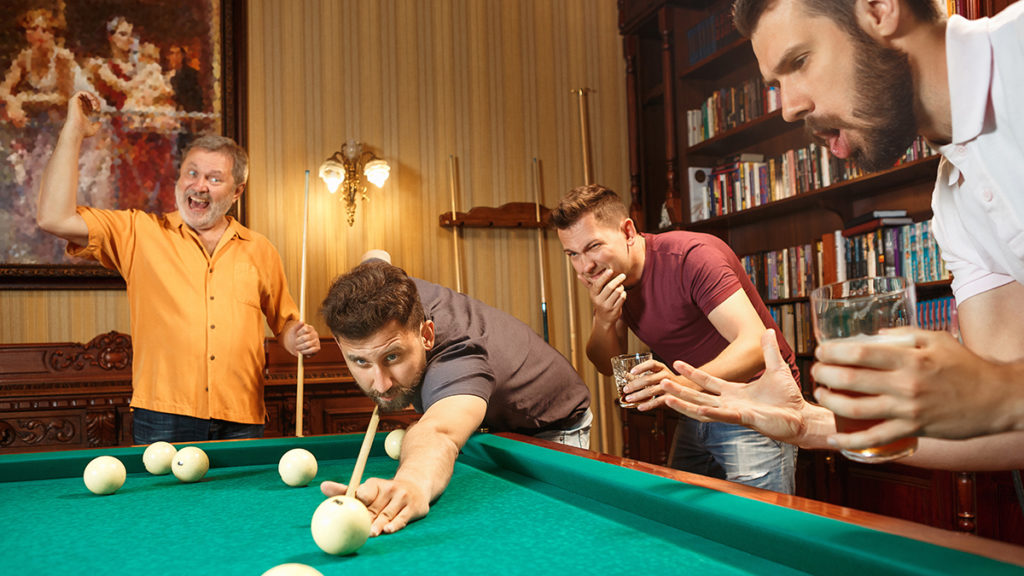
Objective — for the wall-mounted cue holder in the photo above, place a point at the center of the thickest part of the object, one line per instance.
(511, 215)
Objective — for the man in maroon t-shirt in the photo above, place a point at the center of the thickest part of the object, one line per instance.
(686, 296)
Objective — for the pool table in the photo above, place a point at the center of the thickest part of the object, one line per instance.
(514, 506)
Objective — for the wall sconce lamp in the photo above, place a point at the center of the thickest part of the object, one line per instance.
(344, 168)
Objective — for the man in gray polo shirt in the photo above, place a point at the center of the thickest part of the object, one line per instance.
(459, 362)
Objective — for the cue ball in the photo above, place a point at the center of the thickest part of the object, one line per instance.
(341, 524)
(104, 475)
(292, 570)
(190, 464)
(297, 467)
(393, 443)
(158, 457)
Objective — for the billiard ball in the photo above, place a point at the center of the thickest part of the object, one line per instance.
(104, 475)
(190, 464)
(297, 467)
(341, 525)
(292, 569)
(157, 458)
(393, 443)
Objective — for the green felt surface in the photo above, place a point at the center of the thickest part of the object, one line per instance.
(511, 508)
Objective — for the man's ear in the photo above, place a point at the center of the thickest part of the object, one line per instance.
(628, 229)
(238, 192)
(880, 19)
(427, 333)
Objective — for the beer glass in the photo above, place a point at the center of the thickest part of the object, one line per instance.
(857, 310)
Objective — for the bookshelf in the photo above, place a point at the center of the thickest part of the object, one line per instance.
(664, 86)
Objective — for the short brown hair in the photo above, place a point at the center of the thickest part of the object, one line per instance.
(217, 143)
(747, 13)
(603, 203)
(369, 297)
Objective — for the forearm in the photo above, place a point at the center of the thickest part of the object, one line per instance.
(427, 460)
(604, 342)
(986, 453)
(58, 189)
(740, 361)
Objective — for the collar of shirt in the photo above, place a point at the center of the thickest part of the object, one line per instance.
(969, 67)
(235, 228)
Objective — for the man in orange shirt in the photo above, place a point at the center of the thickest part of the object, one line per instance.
(199, 284)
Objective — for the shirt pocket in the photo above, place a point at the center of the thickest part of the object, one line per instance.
(247, 284)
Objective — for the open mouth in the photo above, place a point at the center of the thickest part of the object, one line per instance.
(835, 140)
(195, 203)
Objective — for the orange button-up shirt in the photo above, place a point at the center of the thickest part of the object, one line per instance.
(196, 319)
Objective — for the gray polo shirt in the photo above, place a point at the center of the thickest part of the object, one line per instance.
(479, 350)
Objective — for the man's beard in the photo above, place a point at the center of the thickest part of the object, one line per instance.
(403, 399)
(885, 103)
(215, 212)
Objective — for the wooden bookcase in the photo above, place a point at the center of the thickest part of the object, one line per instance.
(663, 82)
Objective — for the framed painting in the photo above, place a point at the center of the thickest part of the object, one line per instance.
(165, 71)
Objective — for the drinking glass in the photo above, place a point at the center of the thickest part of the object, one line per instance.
(621, 365)
(857, 310)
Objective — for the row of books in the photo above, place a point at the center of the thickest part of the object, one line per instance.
(710, 34)
(938, 314)
(881, 246)
(748, 180)
(787, 273)
(730, 107)
(888, 249)
(794, 320)
(970, 9)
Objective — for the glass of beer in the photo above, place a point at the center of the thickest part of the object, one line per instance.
(857, 310)
(621, 366)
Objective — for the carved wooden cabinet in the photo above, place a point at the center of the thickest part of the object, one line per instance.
(65, 395)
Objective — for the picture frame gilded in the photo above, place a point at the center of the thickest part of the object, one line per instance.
(166, 70)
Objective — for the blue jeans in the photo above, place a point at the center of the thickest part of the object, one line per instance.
(578, 434)
(734, 453)
(149, 426)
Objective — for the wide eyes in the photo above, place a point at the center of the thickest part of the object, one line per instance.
(213, 179)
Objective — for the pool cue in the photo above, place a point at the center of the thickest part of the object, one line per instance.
(540, 248)
(588, 178)
(455, 228)
(301, 371)
(588, 171)
(364, 453)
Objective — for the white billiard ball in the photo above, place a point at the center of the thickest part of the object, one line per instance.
(393, 443)
(297, 467)
(104, 475)
(190, 464)
(158, 457)
(341, 525)
(292, 569)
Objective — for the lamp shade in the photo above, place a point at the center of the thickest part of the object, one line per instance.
(377, 171)
(332, 173)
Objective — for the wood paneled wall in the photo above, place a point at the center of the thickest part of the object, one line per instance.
(485, 81)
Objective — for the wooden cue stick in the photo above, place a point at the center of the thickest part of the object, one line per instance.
(301, 370)
(364, 453)
(588, 179)
(588, 171)
(570, 280)
(540, 248)
(455, 228)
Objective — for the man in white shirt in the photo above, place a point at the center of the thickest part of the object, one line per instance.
(866, 77)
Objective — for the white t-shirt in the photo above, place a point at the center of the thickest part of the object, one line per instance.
(978, 200)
